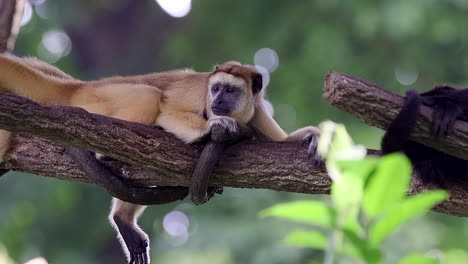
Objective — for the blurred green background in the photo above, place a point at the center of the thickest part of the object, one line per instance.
(399, 44)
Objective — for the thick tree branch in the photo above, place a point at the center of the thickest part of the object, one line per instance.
(155, 157)
(165, 159)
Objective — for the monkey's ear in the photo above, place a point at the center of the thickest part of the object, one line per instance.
(216, 67)
(257, 83)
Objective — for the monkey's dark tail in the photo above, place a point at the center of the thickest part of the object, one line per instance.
(398, 132)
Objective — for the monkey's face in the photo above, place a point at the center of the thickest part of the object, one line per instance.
(233, 88)
(227, 94)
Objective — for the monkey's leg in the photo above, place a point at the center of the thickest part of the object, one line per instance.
(124, 214)
(123, 217)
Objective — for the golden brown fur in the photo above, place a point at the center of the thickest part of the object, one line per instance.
(175, 100)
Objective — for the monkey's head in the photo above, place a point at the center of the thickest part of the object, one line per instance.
(232, 90)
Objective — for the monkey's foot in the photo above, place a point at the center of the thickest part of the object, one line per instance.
(136, 241)
(311, 140)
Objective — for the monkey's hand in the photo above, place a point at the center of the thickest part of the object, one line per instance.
(311, 140)
(309, 136)
(223, 128)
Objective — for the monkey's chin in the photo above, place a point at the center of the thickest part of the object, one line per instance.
(220, 112)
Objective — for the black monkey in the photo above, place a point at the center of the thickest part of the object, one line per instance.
(448, 104)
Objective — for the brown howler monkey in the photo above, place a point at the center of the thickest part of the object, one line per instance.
(183, 102)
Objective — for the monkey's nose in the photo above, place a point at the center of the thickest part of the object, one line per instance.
(219, 102)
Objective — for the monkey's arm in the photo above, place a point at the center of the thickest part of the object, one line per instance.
(187, 126)
(266, 126)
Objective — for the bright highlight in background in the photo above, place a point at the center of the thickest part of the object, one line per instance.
(176, 224)
(406, 76)
(267, 58)
(38, 260)
(54, 45)
(27, 14)
(57, 42)
(176, 8)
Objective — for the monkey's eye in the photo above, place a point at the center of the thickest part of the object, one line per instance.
(229, 90)
(215, 88)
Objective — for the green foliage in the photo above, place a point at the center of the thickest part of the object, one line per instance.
(404, 211)
(369, 202)
(387, 185)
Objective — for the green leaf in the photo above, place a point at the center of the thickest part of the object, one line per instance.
(417, 258)
(388, 184)
(358, 168)
(347, 194)
(348, 190)
(408, 209)
(307, 238)
(306, 211)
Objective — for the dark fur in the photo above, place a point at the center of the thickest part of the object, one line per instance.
(136, 244)
(433, 166)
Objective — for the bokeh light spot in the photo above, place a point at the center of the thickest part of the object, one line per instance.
(38, 260)
(176, 224)
(54, 45)
(27, 14)
(406, 75)
(176, 8)
(267, 58)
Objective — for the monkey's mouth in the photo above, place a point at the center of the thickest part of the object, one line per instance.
(219, 111)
